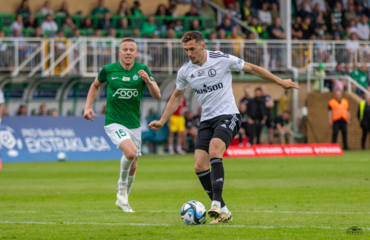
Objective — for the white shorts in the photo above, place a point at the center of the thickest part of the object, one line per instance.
(119, 133)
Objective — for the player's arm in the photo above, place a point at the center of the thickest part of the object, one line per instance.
(264, 74)
(93, 92)
(171, 107)
(147, 77)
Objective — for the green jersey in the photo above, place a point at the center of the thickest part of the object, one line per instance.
(360, 77)
(124, 90)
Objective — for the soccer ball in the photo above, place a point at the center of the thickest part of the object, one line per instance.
(193, 213)
(61, 156)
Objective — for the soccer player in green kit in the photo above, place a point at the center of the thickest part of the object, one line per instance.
(125, 81)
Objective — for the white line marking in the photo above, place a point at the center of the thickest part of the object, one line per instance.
(149, 211)
(170, 225)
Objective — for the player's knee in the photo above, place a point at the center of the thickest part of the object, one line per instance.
(130, 154)
(215, 152)
(200, 168)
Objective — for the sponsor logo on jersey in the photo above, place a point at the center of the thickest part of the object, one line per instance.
(212, 72)
(207, 89)
(126, 93)
(125, 79)
(201, 73)
(135, 77)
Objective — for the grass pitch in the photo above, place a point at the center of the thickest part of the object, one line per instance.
(270, 198)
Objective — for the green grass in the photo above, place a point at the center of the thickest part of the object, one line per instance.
(270, 198)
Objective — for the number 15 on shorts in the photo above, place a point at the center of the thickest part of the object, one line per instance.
(120, 133)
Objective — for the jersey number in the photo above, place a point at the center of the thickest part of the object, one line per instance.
(120, 133)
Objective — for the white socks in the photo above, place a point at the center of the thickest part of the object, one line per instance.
(224, 209)
(218, 203)
(179, 148)
(125, 168)
(130, 183)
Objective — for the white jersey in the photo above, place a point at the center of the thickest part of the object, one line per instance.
(211, 83)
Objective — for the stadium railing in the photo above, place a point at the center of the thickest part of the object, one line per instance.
(86, 55)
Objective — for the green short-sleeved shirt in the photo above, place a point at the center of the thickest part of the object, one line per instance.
(360, 77)
(124, 91)
(97, 10)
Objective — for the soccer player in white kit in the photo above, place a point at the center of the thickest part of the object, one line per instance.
(209, 75)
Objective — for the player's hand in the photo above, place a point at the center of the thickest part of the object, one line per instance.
(144, 75)
(155, 125)
(288, 84)
(89, 114)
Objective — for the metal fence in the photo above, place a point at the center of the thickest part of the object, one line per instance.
(85, 56)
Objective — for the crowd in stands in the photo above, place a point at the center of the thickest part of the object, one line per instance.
(22, 111)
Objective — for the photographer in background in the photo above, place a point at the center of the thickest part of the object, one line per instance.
(257, 116)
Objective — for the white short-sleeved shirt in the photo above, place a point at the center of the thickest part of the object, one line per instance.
(212, 83)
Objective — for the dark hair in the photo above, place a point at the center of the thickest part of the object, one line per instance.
(258, 89)
(192, 35)
(286, 111)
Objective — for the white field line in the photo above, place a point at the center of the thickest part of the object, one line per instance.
(149, 211)
(171, 225)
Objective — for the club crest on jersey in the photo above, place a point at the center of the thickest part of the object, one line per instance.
(125, 79)
(135, 77)
(212, 72)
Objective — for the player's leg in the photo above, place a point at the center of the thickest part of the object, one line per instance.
(181, 135)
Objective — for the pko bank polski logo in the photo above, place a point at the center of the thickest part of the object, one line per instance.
(126, 93)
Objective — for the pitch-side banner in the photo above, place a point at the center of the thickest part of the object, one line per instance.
(25, 139)
(284, 150)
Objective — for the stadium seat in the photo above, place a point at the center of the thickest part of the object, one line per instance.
(6, 19)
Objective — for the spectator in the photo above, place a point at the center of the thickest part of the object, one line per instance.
(49, 24)
(31, 21)
(277, 32)
(246, 97)
(282, 128)
(22, 111)
(42, 110)
(53, 112)
(307, 29)
(255, 26)
(178, 26)
(350, 14)
(63, 9)
(297, 30)
(135, 10)
(221, 34)
(195, 25)
(177, 125)
(24, 8)
(5, 53)
(100, 10)
(206, 11)
(318, 14)
(361, 75)
(264, 16)
(363, 28)
(68, 23)
(112, 33)
(339, 117)
(136, 33)
(252, 51)
(46, 10)
(106, 23)
(123, 9)
(87, 23)
(363, 115)
(319, 73)
(352, 46)
(172, 11)
(76, 34)
(264, 34)
(170, 34)
(38, 33)
(305, 10)
(190, 129)
(269, 104)
(161, 11)
(18, 23)
(226, 25)
(256, 111)
(236, 44)
(149, 26)
(337, 14)
(238, 12)
(274, 11)
(243, 131)
(124, 24)
(192, 13)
